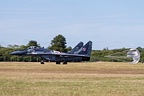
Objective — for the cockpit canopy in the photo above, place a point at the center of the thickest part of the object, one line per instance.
(33, 47)
(37, 49)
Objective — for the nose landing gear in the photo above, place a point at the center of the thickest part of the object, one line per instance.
(42, 62)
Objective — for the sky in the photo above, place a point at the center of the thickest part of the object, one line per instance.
(109, 24)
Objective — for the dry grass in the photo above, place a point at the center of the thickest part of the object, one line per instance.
(74, 79)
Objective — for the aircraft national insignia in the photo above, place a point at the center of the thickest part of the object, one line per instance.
(84, 49)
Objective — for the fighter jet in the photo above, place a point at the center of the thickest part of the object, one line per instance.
(77, 54)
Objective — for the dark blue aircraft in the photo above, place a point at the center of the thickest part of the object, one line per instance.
(77, 54)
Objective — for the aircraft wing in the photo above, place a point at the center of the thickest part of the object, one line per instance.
(56, 54)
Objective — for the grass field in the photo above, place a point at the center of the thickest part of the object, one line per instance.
(74, 79)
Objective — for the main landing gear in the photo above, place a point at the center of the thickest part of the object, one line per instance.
(57, 62)
(64, 62)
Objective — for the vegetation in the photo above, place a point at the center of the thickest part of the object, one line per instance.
(59, 44)
(115, 55)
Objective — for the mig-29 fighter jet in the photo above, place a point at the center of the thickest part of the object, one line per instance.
(77, 54)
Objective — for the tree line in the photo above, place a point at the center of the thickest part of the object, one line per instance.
(59, 43)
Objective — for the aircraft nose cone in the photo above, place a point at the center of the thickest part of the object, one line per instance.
(15, 53)
(18, 53)
(12, 53)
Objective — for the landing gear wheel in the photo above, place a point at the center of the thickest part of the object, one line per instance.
(64, 62)
(57, 62)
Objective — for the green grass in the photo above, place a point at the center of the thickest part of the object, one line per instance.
(74, 79)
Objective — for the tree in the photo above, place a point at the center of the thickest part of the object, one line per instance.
(68, 49)
(33, 43)
(13, 46)
(58, 43)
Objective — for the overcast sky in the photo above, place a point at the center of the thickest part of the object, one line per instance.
(107, 23)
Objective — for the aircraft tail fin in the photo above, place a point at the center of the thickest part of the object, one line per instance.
(76, 48)
(86, 49)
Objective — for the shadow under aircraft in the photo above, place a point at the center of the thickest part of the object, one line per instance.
(77, 54)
